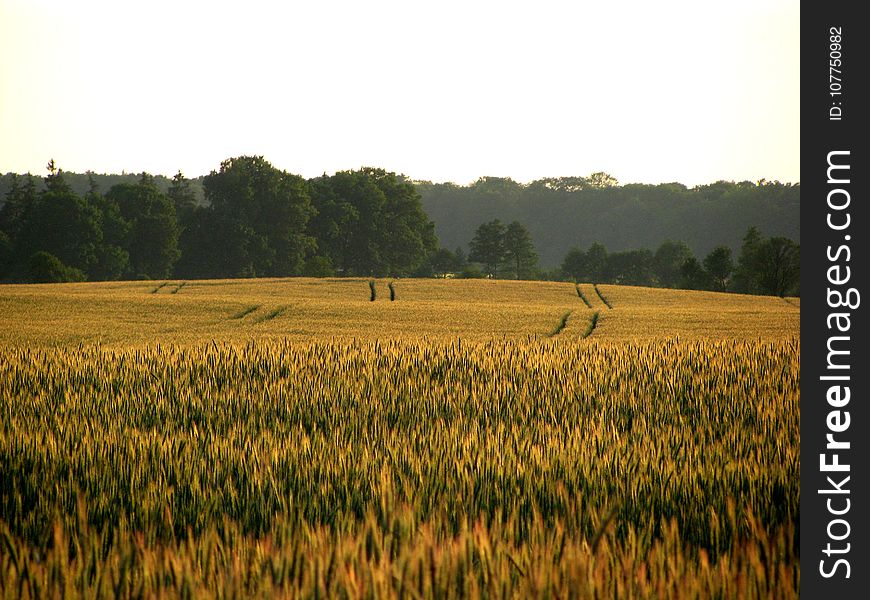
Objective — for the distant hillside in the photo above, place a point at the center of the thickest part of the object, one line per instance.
(566, 212)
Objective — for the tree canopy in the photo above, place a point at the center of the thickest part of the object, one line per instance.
(565, 212)
(249, 218)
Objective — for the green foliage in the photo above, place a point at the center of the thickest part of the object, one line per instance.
(631, 267)
(745, 275)
(564, 212)
(369, 222)
(264, 213)
(61, 223)
(668, 262)
(779, 262)
(574, 264)
(602, 180)
(768, 266)
(258, 221)
(318, 266)
(488, 246)
(582, 296)
(205, 244)
(719, 267)
(519, 250)
(152, 238)
(593, 321)
(443, 262)
(17, 207)
(586, 266)
(596, 262)
(694, 277)
(183, 197)
(601, 296)
(471, 272)
(47, 268)
(113, 256)
(6, 254)
(563, 322)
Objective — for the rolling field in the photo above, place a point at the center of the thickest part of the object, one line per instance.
(238, 311)
(291, 438)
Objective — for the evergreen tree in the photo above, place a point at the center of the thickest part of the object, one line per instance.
(60, 223)
(183, 199)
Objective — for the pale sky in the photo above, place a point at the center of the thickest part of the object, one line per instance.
(649, 92)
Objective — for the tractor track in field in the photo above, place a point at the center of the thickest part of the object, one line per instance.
(582, 295)
(600, 295)
(593, 323)
(246, 311)
(563, 322)
(273, 314)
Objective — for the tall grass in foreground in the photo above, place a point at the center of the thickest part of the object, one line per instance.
(401, 469)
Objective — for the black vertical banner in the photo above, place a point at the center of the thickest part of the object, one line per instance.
(835, 370)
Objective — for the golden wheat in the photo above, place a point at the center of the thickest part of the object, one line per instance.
(438, 446)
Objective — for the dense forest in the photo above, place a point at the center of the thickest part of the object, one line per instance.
(561, 213)
(250, 219)
(253, 221)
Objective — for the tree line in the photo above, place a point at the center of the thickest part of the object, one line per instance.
(765, 265)
(566, 211)
(255, 221)
(250, 219)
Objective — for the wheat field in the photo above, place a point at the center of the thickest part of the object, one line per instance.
(300, 309)
(292, 438)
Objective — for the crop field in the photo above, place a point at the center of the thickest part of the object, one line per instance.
(293, 438)
(237, 311)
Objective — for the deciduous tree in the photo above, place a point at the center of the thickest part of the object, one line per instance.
(488, 246)
(520, 250)
(719, 267)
